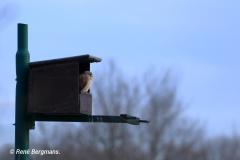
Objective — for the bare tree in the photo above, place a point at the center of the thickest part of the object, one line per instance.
(224, 148)
(7, 14)
(5, 152)
(163, 137)
(170, 135)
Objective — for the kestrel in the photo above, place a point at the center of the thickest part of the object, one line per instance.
(85, 81)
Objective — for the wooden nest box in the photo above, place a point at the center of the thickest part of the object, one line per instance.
(53, 86)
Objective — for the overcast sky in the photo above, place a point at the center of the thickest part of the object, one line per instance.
(198, 40)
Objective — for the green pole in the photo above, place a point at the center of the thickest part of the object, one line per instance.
(21, 122)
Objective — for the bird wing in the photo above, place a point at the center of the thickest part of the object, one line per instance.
(87, 86)
(83, 80)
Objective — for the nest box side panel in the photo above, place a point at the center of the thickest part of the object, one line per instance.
(85, 103)
(53, 89)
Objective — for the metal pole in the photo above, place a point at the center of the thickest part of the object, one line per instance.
(21, 122)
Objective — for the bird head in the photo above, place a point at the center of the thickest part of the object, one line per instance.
(88, 72)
